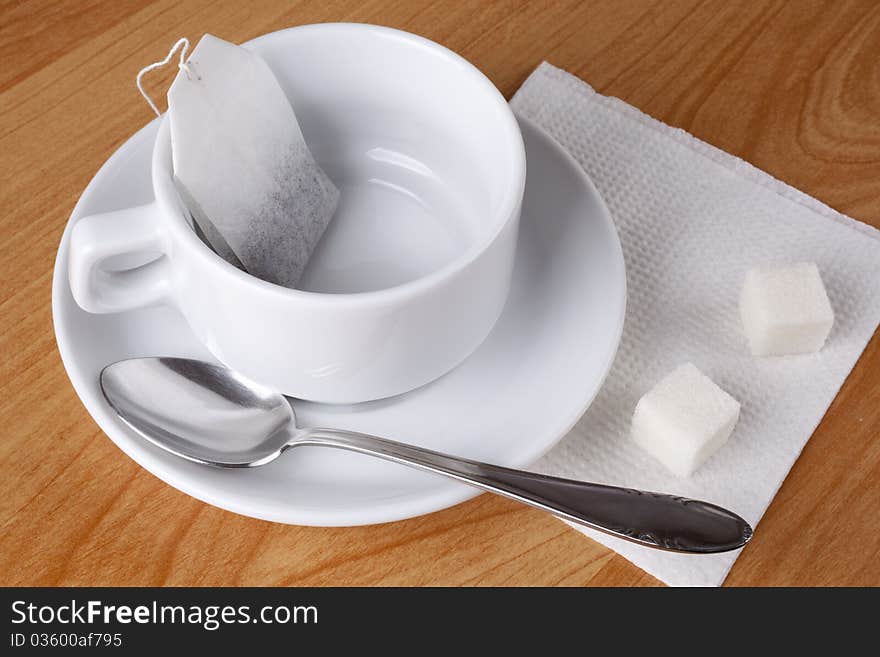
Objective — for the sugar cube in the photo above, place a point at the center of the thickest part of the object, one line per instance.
(684, 419)
(785, 310)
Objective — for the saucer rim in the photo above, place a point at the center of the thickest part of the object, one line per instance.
(400, 508)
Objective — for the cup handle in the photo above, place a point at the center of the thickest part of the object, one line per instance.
(131, 233)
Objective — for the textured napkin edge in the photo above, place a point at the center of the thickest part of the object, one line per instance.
(729, 161)
(740, 168)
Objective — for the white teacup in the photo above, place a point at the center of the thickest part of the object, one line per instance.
(415, 268)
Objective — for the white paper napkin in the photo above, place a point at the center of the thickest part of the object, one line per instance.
(692, 219)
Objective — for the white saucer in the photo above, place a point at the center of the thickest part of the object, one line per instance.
(510, 402)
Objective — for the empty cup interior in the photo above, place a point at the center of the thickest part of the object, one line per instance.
(425, 151)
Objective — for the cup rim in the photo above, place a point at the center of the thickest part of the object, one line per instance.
(508, 207)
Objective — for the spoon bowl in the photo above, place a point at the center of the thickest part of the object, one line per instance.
(202, 412)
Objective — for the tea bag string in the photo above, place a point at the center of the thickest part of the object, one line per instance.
(187, 67)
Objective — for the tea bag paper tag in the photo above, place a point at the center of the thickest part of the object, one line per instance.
(242, 165)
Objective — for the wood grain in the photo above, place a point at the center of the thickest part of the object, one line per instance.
(793, 87)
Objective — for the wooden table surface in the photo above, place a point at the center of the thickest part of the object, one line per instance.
(793, 87)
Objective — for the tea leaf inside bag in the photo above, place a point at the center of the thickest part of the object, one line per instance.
(242, 165)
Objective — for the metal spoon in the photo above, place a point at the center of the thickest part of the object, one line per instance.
(209, 414)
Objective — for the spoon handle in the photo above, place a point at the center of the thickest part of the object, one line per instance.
(653, 519)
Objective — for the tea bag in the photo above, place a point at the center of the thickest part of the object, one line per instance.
(242, 166)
